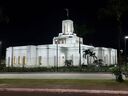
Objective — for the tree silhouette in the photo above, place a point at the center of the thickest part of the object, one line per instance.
(115, 9)
(90, 53)
(4, 19)
(83, 30)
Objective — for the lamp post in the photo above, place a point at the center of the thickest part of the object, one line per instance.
(125, 46)
(57, 54)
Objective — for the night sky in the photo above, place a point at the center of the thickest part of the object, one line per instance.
(24, 22)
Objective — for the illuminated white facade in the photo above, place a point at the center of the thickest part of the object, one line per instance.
(66, 46)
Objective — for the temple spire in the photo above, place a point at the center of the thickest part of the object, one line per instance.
(67, 11)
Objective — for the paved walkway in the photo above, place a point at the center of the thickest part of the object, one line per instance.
(61, 90)
(56, 76)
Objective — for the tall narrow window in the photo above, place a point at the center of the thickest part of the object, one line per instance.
(40, 60)
(14, 59)
(8, 61)
(113, 60)
(64, 29)
(62, 41)
(24, 60)
(55, 41)
(106, 59)
(18, 59)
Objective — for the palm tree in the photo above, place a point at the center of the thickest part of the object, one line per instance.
(115, 9)
(90, 53)
(4, 19)
(82, 31)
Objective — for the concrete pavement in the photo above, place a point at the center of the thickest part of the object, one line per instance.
(56, 76)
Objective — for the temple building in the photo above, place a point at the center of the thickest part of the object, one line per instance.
(67, 46)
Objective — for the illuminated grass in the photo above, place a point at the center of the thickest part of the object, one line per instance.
(79, 84)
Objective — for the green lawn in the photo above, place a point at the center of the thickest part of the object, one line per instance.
(77, 84)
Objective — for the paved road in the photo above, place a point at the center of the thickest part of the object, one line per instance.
(55, 94)
(58, 92)
(57, 76)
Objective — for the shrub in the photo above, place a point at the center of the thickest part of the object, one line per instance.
(83, 68)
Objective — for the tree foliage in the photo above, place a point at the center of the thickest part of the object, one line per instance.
(4, 19)
(98, 62)
(114, 8)
(90, 53)
(83, 30)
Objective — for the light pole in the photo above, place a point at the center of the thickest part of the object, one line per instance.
(79, 52)
(57, 54)
(125, 46)
(0, 52)
(12, 58)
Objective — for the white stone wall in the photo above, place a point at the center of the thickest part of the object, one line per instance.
(67, 44)
(8, 56)
(31, 56)
(48, 55)
(67, 27)
(13, 53)
(108, 55)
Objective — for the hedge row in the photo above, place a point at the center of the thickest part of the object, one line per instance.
(59, 69)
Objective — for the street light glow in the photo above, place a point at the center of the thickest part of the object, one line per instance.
(125, 49)
(126, 37)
